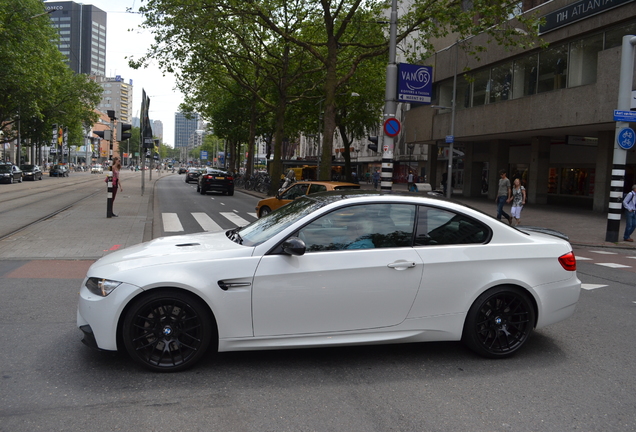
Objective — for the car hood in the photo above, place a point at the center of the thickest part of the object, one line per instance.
(169, 251)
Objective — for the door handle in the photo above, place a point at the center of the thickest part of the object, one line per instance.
(402, 265)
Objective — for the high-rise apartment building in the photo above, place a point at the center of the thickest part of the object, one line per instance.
(157, 129)
(184, 128)
(82, 31)
(117, 96)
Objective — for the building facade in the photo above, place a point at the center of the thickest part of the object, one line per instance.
(545, 114)
(82, 35)
(184, 128)
(117, 96)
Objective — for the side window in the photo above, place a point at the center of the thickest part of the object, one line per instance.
(317, 188)
(294, 192)
(441, 227)
(369, 226)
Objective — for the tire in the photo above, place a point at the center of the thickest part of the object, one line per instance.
(198, 188)
(202, 191)
(20, 180)
(230, 192)
(10, 179)
(264, 211)
(499, 322)
(168, 331)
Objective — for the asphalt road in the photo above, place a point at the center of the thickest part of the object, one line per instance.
(574, 375)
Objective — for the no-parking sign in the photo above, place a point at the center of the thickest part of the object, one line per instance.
(392, 126)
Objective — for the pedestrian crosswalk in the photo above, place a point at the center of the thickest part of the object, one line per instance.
(172, 222)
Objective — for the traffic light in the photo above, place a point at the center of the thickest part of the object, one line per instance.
(373, 145)
(105, 134)
(122, 135)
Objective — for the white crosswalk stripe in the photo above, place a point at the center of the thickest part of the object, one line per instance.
(206, 222)
(591, 286)
(234, 218)
(171, 222)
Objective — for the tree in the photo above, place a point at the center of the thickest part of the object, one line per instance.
(340, 36)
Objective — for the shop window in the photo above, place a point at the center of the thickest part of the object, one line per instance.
(584, 59)
(553, 68)
(614, 37)
(481, 81)
(525, 76)
(500, 82)
(571, 181)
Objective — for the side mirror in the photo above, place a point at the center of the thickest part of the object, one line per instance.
(294, 246)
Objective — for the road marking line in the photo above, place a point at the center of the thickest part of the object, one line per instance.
(604, 252)
(171, 222)
(236, 220)
(592, 286)
(631, 257)
(206, 222)
(583, 258)
(613, 265)
(254, 215)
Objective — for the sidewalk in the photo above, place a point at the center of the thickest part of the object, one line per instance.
(84, 233)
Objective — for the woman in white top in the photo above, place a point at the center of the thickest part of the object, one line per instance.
(518, 201)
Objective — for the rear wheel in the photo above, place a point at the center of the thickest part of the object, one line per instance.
(168, 331)
(499, 322)
(230, 192)
(202, 191)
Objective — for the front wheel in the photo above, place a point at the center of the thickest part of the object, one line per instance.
(264, 211)
(168, 331)
(499, 322)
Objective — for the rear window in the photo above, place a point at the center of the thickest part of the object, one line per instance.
(345, 187)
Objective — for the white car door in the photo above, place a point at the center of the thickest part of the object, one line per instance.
(359, 272)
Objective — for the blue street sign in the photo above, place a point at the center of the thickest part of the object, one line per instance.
(415, 83)
(626, 138)
(624, 116)
(204, 155)
(450, 139)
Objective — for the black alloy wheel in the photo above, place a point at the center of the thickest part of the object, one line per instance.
(168, 331)
(202, 191)
(499, 322)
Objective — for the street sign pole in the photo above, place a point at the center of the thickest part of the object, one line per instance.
(617, 183)
(390, 104)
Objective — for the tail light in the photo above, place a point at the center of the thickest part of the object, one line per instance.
(568, 261)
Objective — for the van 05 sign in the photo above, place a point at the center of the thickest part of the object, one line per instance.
(415, 83)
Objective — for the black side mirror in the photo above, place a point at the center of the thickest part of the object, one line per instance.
(294, 246)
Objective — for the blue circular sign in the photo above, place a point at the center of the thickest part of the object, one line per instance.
(626, 138)
(392, 126)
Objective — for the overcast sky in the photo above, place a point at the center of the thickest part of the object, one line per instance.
(121, 43)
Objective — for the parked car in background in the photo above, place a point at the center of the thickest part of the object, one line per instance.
(216, 180)
(332, 269)
(10, 173)
(183, 170)
(97, 169)
(59, 171)
(31, 172)
(193, 174)
(302, 188)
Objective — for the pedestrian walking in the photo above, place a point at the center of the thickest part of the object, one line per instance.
(629, 203)
(518, 201)
(410, 181)
(503, 196)
(376, 179)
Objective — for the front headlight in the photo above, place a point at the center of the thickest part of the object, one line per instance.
(101, 287)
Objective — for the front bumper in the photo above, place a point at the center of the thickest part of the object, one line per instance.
(98, 317)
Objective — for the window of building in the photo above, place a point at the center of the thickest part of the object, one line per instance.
(525, 76)
(65, 18)
(614, 37)
(481, 81)
(65, 32)
(64, 25)
(500, 82)
(584, 59)
(571, 181)
(553, 68)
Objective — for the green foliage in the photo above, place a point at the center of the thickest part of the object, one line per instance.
(36, 86)
(293, 64)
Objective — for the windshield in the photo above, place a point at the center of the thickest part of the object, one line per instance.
(266, 227)
(5, 168)
(27, 167)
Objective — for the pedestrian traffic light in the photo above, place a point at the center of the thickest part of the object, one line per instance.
(105, 134)
(122, 135)
(373, 145)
